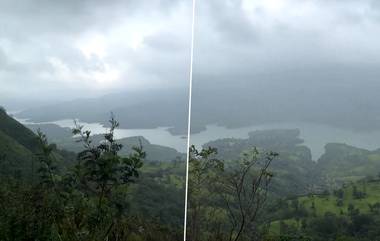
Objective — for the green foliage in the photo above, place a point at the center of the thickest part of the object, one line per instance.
(294, 169)
(158, 194)
(226, 197)
(15, 159)
(19, 147)
(353, 219)
(342, 163)
(88, 200)
(334, 199)
(204, 169)
(18, 132)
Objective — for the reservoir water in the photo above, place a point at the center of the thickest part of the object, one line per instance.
(315, 136)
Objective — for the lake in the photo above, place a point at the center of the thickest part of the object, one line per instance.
(159, 135)
(315, 136)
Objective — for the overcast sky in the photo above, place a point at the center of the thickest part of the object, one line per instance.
(66, 49)
(248, 38)
(53, 49)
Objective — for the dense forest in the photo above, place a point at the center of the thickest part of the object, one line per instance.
(97, 193)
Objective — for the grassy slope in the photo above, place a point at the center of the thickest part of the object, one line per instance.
(342, 163)
(328, 203)
(325, 204)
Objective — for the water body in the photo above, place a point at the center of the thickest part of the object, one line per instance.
(315, 136)
(159, 135)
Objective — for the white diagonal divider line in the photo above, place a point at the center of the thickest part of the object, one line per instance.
(189, 120)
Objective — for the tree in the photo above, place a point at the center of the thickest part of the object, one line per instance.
(103, 173)
(352, 211)
(357, 194)
(244, 189)
(339, 193)
(374, 208)
(98, 195)
(295, 204)
(339, 202)
(313, 205)
(204, 168)
(88, 202)
(48, 169)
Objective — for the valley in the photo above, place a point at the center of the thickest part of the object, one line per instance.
(339, 186)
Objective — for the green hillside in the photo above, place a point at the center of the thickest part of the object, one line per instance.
(159, 192)
(15, 159)
(18, 147)
(293, 169)
(141, 194)
(18, 132)
(342, 163)
(336, 198)
(349, 211)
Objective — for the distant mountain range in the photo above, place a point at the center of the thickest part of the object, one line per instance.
(134, 110)
(331, 96)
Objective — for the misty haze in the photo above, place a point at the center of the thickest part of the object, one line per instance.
(284, 138)
(287, 92)
(93, 119)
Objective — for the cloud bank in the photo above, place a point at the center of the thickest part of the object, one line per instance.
(57, 50)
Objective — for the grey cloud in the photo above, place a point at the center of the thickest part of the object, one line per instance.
(40, 40)
(305, 61)
(3, 60)
(167, 41)
(39, 16)
(231, 23)
(284, 45)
